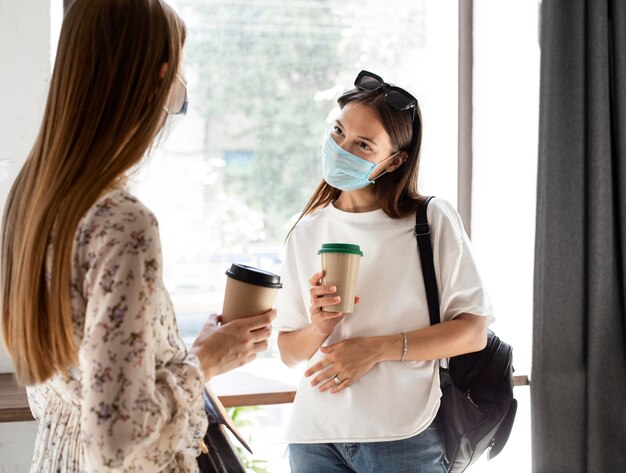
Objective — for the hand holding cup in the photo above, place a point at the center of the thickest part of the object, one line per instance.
(324, 296)
(221, 348)
(234, 338)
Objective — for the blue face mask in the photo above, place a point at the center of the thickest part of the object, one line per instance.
(344, 170)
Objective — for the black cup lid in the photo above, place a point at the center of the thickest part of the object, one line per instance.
(255, 276)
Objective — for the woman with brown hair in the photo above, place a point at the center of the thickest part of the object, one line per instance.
(370, 394)
(85, 315)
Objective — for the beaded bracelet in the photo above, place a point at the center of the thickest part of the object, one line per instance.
(404, 347)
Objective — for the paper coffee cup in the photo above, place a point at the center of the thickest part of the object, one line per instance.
(340, 262)
(249, 291)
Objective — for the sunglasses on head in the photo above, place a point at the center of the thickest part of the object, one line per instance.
(397, 98)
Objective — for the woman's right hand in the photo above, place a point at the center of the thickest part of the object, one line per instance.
(300, 345)
(324, 322)
(221, 348)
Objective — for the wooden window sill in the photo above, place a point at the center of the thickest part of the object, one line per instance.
(241, 387)
(237, 388)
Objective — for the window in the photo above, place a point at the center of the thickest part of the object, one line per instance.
(263, 80)
(506, 114)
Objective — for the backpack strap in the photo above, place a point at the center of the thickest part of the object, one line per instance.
(422, 232)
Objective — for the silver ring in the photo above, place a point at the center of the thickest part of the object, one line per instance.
(336, 379)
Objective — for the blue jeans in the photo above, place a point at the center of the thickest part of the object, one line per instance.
(422, 453)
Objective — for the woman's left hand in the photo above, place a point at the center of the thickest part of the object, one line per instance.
(345, 363)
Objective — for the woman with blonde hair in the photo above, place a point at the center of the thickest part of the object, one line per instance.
(85, 315)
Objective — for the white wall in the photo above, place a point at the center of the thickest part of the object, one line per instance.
(16, 446)
(24, 79)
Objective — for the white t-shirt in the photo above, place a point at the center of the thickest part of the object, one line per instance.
(394, 400)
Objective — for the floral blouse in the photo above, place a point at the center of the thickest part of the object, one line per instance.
(134, 402)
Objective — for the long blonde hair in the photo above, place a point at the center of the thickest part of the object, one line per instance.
(105, 106)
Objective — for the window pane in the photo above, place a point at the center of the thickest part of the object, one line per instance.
(263, 78)
(506, 110)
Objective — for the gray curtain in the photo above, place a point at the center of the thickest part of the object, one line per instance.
(578, 385)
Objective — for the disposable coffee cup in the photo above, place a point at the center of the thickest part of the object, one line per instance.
(249, 291)
(340, 262)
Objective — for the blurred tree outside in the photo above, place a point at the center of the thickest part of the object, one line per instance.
(269, 74)
(261, 64)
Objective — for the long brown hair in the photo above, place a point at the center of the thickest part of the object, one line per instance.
(396, 192)
(104, 108)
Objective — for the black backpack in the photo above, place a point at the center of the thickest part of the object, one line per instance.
(477, 406)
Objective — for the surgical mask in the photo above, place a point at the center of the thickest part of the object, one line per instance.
(177, 102)
(344, 170)
(175, 109)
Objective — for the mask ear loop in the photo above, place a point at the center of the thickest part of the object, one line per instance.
(372, 181)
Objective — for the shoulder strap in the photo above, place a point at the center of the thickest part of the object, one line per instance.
(422, 232)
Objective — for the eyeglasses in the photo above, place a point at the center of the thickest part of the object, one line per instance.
(395, 97)
(178, 100)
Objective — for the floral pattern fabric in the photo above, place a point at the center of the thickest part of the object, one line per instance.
(134, 403)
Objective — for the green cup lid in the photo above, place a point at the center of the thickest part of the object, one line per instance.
(345, 248)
